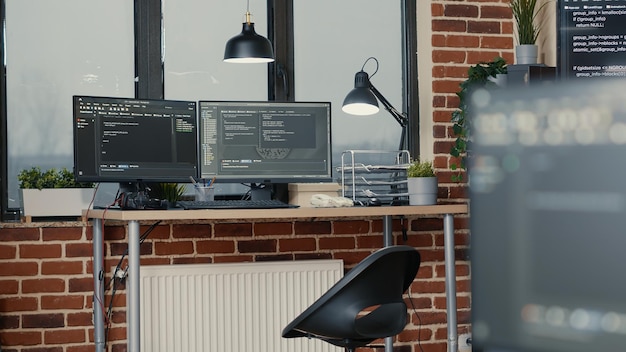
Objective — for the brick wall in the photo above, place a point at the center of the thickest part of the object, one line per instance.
(464, 33)
(46, 283)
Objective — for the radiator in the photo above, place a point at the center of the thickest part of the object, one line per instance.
(239, 307)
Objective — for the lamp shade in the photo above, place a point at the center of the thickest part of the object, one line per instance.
(248, 47)
(360, 100)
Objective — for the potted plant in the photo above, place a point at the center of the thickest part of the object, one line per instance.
(526, 14)
(53, 192)
(171, 192)
(421, 183)
(482, 75)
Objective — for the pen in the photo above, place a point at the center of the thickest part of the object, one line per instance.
(195, 184)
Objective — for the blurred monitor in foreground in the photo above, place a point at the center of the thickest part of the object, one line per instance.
(548, 218)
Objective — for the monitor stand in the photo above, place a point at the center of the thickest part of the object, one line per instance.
(136, 195)
(130, 187)
(261, 191)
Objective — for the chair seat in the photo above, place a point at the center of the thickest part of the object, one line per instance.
(365, 305)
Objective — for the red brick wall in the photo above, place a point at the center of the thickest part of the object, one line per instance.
(46, 283)
(464, 33)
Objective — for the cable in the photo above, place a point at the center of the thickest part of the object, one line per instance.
(419, 325)
(365, 63)
(405, 236)
(141, 240)
(113, 283)
(93, 198)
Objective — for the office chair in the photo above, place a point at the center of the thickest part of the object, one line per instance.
(365, 305)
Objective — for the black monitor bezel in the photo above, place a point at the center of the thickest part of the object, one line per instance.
(270, 179)
(563, 56)
(124, 178)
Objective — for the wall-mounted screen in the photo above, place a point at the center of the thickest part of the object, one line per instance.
(591, 39)
(133, 140)
(265, 142)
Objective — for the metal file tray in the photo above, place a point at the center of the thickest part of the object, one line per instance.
(367, 174)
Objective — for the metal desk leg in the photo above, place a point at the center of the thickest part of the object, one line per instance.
(388, 241)
(448, 239)
(387, 231)
(132, 294)
(98, 285)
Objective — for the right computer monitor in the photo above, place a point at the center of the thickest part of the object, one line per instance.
(265, 142)
(591, 39)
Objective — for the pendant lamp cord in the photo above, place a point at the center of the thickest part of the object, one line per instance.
(248, 19)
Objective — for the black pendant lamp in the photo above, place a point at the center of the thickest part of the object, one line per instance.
(248, 46)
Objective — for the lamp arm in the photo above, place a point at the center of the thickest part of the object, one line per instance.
(400, 117)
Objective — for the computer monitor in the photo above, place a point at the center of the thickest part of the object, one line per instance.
(261, 143)
(547, 220)
(129, 140)
(590, 39)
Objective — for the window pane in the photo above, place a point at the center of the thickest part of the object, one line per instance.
(329, 52)
(56, 49)
(195, 33)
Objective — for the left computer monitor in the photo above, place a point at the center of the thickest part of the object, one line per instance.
(134, 140)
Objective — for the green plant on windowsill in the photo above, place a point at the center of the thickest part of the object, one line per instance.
(52, 178)
(478, 76)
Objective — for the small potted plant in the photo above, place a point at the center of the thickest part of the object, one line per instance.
(421, 183)
(171, 192)
(528, 27)
(53, 192)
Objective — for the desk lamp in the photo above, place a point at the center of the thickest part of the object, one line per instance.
(248, 46)
(363, 100)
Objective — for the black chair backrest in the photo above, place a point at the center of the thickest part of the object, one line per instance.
(366, 304)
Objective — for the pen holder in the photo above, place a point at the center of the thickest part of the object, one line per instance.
(204, 193)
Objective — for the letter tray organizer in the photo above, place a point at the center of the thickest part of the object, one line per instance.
(367, 174)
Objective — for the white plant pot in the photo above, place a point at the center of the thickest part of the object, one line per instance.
(422, 190)
(526, 54)
(55, 201)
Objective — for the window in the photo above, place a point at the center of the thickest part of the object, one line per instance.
(53, 50)
(178, 55)
(327, 55)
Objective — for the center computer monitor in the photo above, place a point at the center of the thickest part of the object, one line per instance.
(261, 143)
(128, 140)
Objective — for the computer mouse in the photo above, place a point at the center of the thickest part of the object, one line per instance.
(374, 202)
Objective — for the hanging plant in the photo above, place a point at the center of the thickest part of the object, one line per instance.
(477, 77)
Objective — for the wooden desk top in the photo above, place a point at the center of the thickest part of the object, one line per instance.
(291, 213)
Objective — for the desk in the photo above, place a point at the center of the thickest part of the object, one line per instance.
(134, 216)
